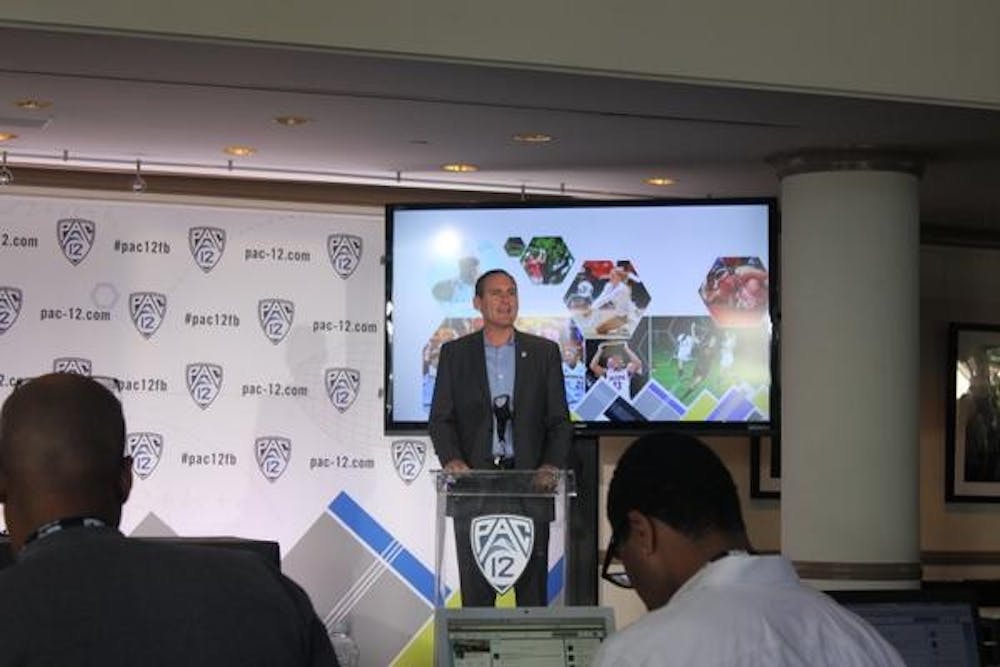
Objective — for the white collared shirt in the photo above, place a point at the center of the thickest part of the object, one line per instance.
(748, 611)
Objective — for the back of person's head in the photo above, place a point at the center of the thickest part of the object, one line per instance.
(62, 442)
(678, 480)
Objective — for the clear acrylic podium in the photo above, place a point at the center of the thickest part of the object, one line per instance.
(501, 537)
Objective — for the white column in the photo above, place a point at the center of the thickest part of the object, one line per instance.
(849, 368)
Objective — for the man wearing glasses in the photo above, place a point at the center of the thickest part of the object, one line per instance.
(679, 532)
(81, 593)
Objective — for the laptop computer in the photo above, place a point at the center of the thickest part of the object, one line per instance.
(928, 627)
(521, 636)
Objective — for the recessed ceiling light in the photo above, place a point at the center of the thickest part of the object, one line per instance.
(7, 136)
(239, 151)
(32, 105)
(533, 138)
(660, 181)
(292, 121)
(460, 167)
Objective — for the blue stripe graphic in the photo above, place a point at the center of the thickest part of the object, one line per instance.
(733, 406)
(668, 398)
(368, 530)
(556, 580)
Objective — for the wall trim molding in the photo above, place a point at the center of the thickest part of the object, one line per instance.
(839, 571)
(936, 558)
(980, 238)
(958, 558)
(257, 189)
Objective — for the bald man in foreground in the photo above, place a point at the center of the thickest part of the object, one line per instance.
(81, 593)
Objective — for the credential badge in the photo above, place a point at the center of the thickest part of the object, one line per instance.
(275, 316)
(204, 381)
(145, 450)
(147, 310)
(207, 245)
(342, 386)
(501, 544)
(10, 307)
(76, 365)
(345, 253)
(76, 238)
(273, 453)
(408, 458)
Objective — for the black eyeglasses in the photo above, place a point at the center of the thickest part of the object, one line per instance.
(614, 572)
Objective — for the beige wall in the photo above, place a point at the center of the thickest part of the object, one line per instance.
(913, 49)
(957, 285)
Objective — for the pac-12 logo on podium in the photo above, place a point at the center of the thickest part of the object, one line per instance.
(207, 245)
(275, 317)
(204, 382)
(272, 453)
(10, 307)
(75, 365)
(408, 458)
(146, 449)
(501, 544)
(342, 386)
(147, 310)
(76, 238)
(345, 253)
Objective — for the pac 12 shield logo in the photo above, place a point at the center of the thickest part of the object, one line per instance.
(275, 317)
(10, 307)
(345, 253)
(204, 382)
(342, 386)
(76, 238)
(408, 458)
(207, 245)
(147, 310)
(146, 449)
(501, 544)
(272, 453)
(76, 365)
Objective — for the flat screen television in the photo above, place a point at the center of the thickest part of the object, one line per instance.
(664, 310)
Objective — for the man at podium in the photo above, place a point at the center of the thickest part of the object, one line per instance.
(499, 404)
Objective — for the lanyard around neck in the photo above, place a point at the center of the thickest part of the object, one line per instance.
(53, 527)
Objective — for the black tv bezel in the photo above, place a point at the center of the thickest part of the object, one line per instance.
(394, 427)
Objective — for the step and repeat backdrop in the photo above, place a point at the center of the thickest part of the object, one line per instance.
(249, 347)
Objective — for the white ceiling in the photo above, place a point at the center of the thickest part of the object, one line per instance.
(175, 104)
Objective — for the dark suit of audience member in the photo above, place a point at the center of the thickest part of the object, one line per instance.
(81, 593)
(463, 424)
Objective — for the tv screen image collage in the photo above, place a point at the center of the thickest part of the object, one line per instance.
(674, 343)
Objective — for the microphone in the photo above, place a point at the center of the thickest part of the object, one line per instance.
(501, 411)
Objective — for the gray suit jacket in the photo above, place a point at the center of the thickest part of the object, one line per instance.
(461, 418)
(90, 596)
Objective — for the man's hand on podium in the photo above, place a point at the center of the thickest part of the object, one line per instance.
(456, 465)
(546, 478)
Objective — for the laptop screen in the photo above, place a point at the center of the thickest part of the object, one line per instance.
(520, 637)
(927, 627)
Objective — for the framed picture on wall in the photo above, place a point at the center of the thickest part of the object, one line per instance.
(972, 464)
(765, 467)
